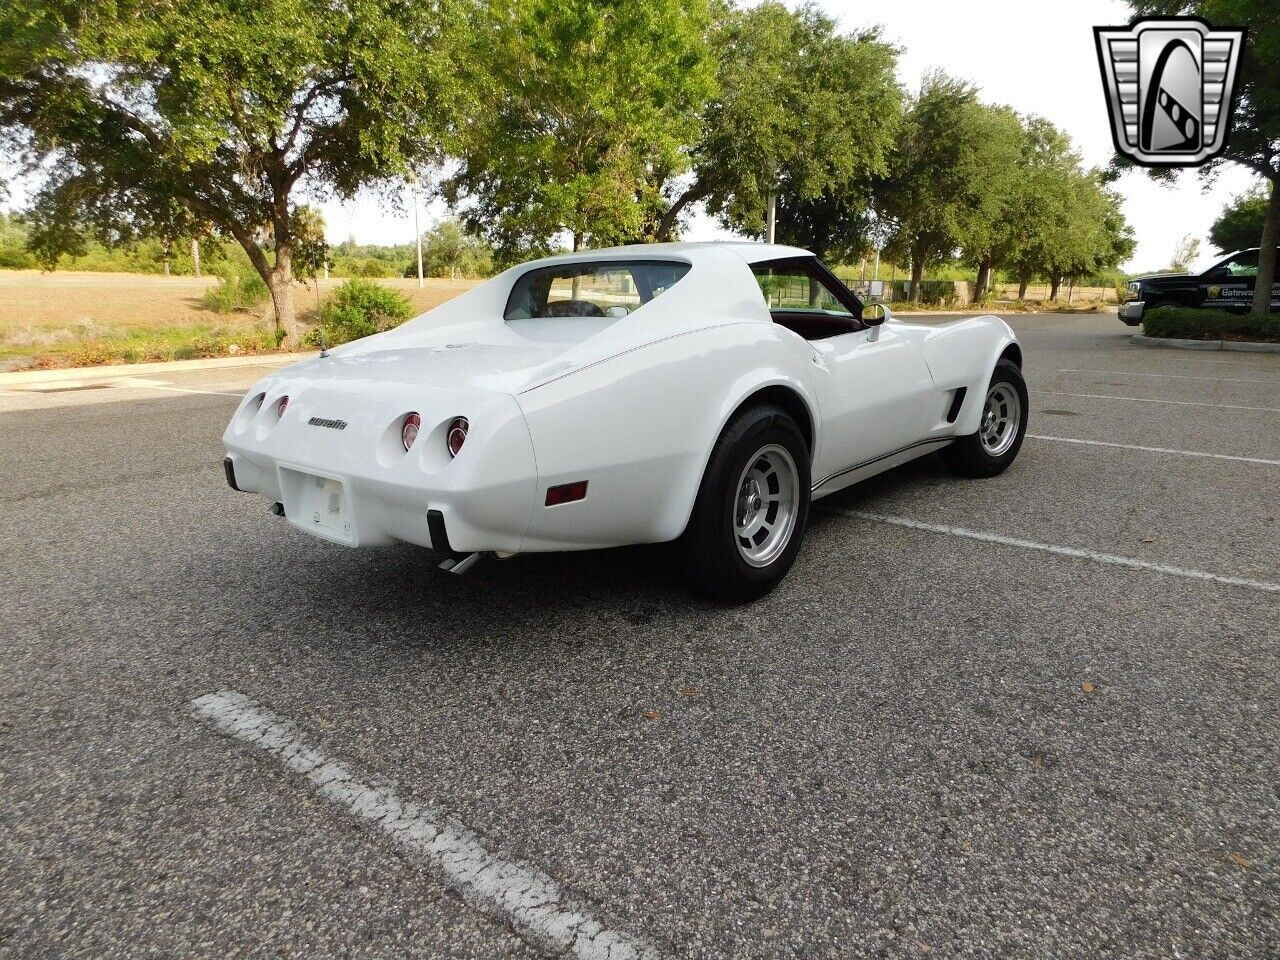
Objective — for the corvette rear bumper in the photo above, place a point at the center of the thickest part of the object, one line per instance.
(356, 485)
(372, 512)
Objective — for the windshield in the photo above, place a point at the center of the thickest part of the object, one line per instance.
(603, 289)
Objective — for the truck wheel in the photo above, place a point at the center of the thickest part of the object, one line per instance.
(750, 513)
(999, 436)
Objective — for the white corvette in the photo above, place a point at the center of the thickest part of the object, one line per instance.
(704, 393)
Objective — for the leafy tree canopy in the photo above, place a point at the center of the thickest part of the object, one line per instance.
(158, 118)
(582, 110)
(1052, 218)
(946, 180)
(801, 109)
(1240, 225)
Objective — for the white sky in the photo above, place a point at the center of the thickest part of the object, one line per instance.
(1036, 57)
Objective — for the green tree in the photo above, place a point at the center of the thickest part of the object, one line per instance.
(1254, 138)
(1092, 236)
(946, 178)
(800, 109)
(449, 250)
(1185, 252)
(834, 225)
(156, 117)
(582, 108)
(1240, 225)
(14, 254)
(310, 251)
(1054, 219)
(987, 231)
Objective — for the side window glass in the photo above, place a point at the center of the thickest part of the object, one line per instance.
(1243, 266)
(795, 289)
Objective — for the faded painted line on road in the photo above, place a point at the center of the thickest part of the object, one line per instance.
(1180, 403)
(159, 386)
(1167, 376)
(521, 895)
(1134, 446)
(1075, 552)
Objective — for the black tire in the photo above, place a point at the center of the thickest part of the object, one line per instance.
(969, 455)
(709, 550)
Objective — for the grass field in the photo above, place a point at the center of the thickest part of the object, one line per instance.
(78, 319)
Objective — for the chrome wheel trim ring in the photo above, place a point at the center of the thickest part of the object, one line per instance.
(1001, 417)
(766, 505)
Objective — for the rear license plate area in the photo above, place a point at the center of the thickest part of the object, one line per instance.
(319, 504)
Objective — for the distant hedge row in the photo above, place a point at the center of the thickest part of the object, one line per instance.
(1191, 323)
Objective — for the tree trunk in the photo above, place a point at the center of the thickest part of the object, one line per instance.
(1054, 286)
(666, 230)
(281, 284)
(577, 241)
(1022, 288)
(166, 256)
(984, 279)
(917, 277)
(278, 278)
(1267, 255)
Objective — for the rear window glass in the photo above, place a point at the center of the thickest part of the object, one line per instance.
(606, 289)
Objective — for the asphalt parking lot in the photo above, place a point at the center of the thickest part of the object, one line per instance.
(1033, 716)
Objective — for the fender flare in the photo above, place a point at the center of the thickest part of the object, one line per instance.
(971, 413)
(745, 391)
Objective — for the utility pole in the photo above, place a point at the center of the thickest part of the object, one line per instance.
(195, 256)
(417, 230)
(772, 221)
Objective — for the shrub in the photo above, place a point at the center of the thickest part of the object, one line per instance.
(238, 289)
(16, 258)
(1189, 323)
(361, 308)
(362, 267)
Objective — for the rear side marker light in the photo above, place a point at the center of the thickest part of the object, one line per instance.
(566, 493)
(409, 431)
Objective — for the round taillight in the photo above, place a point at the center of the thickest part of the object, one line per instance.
(280, 407)
(409, 431)
(457, 435)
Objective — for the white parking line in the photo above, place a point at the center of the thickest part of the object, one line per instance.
(1180, 403)
(161, 386)
(1134, 446)
(1076, 552)
(521, 895)
(1167, 376)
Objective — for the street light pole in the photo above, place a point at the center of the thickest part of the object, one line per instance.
(417, 234)
(772, 221)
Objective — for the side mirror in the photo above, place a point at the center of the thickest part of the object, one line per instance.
(874, 314)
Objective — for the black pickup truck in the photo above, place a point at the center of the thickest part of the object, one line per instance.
(1227, 285)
